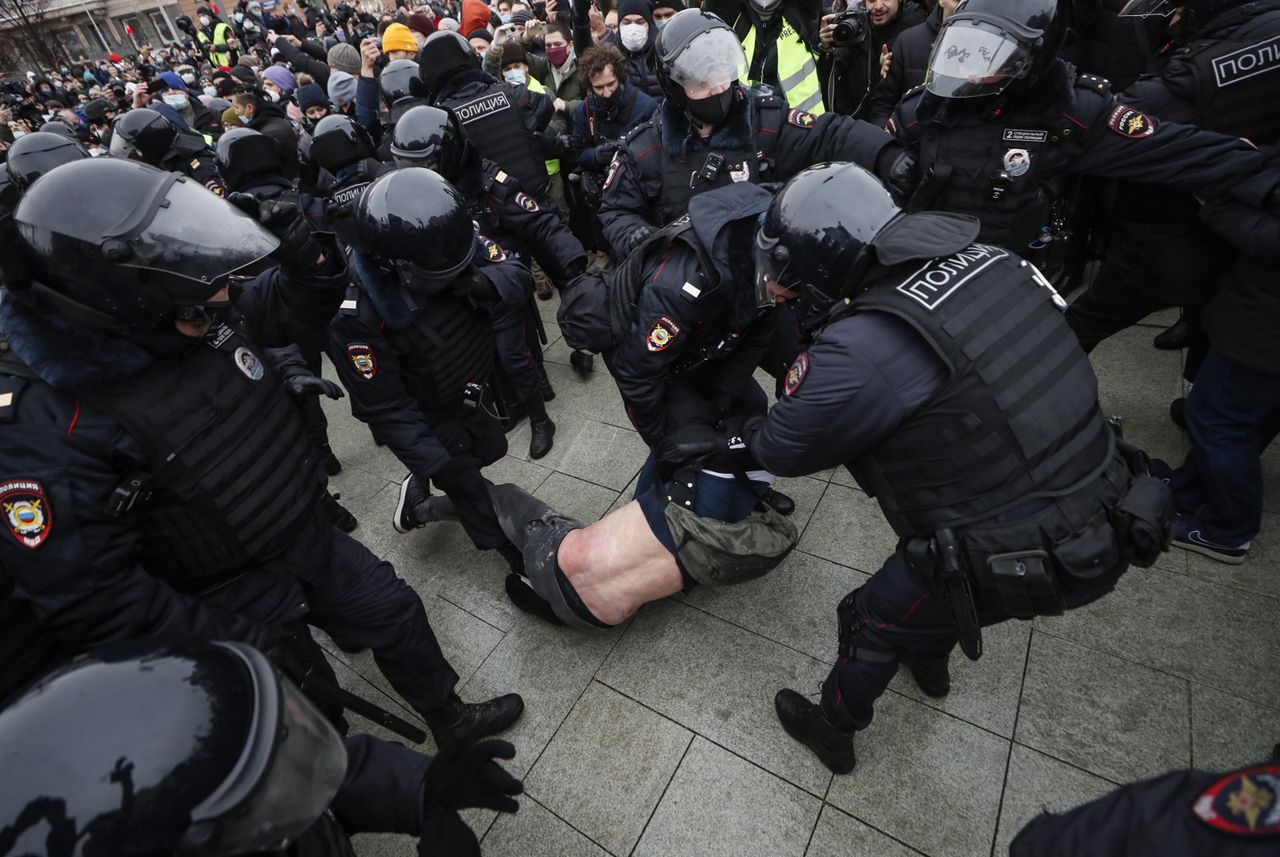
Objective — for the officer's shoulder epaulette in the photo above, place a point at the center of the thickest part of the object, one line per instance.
(1092, 82)
(647, 127)
(501, 184)
(914, 92)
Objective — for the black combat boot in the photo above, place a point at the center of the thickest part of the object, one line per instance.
(1175, 337)
(804, 722)
(458, 721)
(779, 502)
(582, 362)
(338, 514)
(932, 675)
(541, 428)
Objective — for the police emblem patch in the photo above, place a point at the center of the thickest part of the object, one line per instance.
(1243, 803)
(662, 334)
(1128, 122)
(795, 375)
(248, 363)
(493, 250)
(526, 202)
(1017, 162)
(801, 119)
(361, 356)
(26, 511)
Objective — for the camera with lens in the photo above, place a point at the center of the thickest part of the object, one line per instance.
(342, 13)
(852, 26)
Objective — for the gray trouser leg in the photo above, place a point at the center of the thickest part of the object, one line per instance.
(537, 530)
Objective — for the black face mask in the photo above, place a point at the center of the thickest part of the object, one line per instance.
(610, 101)
(713, 109)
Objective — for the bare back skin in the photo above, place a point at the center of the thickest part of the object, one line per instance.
(617, 564)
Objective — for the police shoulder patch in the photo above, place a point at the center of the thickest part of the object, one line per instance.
(662, 334)
(613, 172)
(26, 511)
(1128, 122)
(363, 359)
(801, 119)
(493, 251)
(526, 202)
(795, 375)
(1243, 803)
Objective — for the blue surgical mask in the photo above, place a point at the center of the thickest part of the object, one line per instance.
(515, 77)
(658, 25)
(506, 19)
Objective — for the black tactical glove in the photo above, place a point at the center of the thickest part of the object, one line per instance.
(638, 236)
(301, 386)
(464, 775)
(896, 169)
(460, 476)
(445, 833)
(734, 456)
(688, 444)
(299, 250)
(605, 151)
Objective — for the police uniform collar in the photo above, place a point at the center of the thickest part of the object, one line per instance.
(735, 133)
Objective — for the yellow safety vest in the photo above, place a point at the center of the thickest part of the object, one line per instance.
(535, 85)
(220, 33)
(797, 72)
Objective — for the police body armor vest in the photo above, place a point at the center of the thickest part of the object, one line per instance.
(448, 345)
(232, 473)
(493, 124)
(1238, 79)
(343, 198)
(1018, 417)
(684, 176)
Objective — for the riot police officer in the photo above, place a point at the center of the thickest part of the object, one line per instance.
(1001, 119)
(160, 482)
(205, 747)
(944, 377)
(146, 135)
(342, 150)
(36, 154)
(712, 131)
(1159, 254)
(502, 121)
(414, 344)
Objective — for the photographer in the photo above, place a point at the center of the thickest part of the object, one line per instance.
(855, 45)
(611, 109)
(908, 61)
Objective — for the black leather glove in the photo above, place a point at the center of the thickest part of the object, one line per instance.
(298, 248)
(460, 476)
(301, 386)
(445, 833)
(689, 443)
(896, 169)
(605, 151)
(465, 775)
(638, 236)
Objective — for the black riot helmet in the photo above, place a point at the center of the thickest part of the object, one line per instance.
(987, 45)
(197, 748)
(143, 134)
(243, 153)
(32, 156)
(700, 62)
(338, 142)
(62, 129)
(398, 81)
(121, 246)
(814, 237)
(414, 219)
(444, 54)
(430, 137)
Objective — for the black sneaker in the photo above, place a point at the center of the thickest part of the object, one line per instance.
(804, 722)
(460, 721)
(412, 494)
(932, 675)
(1188, 536)
(541, 433)
(779, 502)
(582, 362)
(1175, 337)
(338, 514)
(521, 594)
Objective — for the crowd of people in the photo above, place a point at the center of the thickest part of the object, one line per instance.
(883, 205)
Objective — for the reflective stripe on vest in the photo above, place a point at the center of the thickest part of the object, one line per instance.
(220, 34)
(535, 85)
(797, 72)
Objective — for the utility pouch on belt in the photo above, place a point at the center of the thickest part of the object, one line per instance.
(1026, 584)
(1143, 520)
(721, 553)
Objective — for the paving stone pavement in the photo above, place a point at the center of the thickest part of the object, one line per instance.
(659, 738)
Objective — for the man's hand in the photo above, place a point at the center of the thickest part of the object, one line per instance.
(826, 34)
(551, 9)
(369, 53)
(298, 248)
(559, 105)
(886, 58)
(638, 236)
(272, 35)
(302, 386)
(466, 775)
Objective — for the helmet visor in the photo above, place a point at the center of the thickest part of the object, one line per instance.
(709, 64)
(1148, 9)
(771, 266)
(973, 59)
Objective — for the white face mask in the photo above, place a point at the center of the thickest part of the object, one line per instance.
(239, 16)
(17, 134)
(211, 91)
(176, 100)
(515, 77)
(634, 36)
(272, 95)
(764, 4)
(188, 79)
(204, 20)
